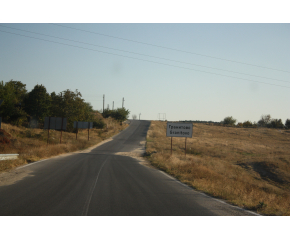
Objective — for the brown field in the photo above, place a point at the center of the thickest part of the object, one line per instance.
(248, 167)
(31, 144)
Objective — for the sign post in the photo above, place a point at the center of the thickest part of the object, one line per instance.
(83, 125)
(176, 129)
(171, 145)
(185, 146)
(61, 129)
(89, 131)
(48, 129)
(57, 123)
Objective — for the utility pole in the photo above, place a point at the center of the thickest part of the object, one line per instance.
(139, 116)
(103, 102)
(123, 103)
(113, 106)
(163, 118)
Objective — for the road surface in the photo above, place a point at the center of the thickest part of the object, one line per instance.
(108, 180)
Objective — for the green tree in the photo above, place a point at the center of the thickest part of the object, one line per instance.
(37, 103)
(275, 123)
(70, 105)
(264, 121)
(12, 93)
(107, 113)
(287, 123)
(120, 114)
(56, 105)
(229, 121)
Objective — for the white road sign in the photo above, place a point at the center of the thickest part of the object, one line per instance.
(175, 129)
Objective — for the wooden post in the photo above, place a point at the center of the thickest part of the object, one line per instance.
(171, 145)
(88, 131)
(77, 130)
(48, 129)
(185, 146)
(61, 129)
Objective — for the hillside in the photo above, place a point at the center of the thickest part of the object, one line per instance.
(249, 167)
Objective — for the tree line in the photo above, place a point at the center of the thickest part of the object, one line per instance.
(19, 106)
(265, 121)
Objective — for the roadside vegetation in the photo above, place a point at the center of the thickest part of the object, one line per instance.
(23, 115)
(246, 166)
(28, 109)
(31, 144)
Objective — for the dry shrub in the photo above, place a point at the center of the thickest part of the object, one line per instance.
(247, 167)
(31, 144)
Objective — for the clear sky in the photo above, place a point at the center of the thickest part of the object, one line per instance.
(190, 71)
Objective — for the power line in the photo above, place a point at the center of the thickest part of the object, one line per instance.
(173, 49)
(165, 64)
(145, 54)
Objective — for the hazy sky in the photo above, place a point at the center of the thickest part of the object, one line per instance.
(188, 71)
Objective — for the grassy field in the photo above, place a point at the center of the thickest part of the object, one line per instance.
(248, 167)
(31, 144)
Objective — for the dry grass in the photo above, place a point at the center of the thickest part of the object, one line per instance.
(31, 144)
(247, 167)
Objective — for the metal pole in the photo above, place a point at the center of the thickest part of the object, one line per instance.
(89, 131)
(48, 129)
(113, 106)
(171, 146)
(77, 130)
(61, 129)
(185, 146)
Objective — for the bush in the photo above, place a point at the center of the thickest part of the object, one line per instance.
(229, 121)
(107, 113)
(120, 114)
(99, 123)
(248, 124)
(240, 124)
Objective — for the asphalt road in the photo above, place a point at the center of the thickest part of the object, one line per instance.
(104, 181)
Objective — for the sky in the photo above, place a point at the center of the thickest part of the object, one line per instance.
(188, 71)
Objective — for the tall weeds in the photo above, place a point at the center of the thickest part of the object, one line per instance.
(31, 144)
(247, 167)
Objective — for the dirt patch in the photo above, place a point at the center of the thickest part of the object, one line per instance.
(244, 165)
(5, 137)
(9, 178)
(267, 172)
(137, 154)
